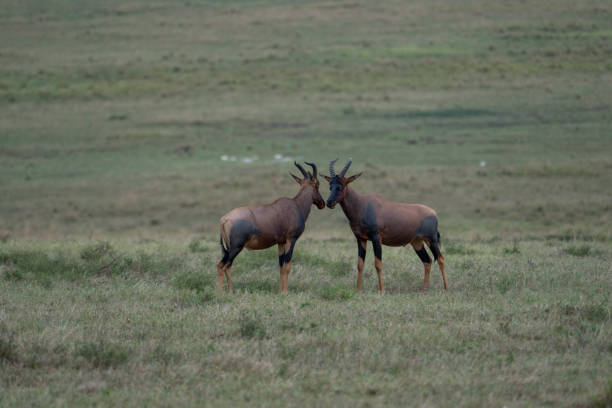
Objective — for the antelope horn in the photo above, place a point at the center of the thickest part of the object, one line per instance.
(348, 164)
(332, 173)
(301, 170)
(314, 169)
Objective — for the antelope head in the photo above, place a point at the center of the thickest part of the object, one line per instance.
(310, 179)
(338, 183)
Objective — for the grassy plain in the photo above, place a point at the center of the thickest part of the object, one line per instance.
(114, 117)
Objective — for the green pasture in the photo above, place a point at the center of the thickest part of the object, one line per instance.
(127, 129)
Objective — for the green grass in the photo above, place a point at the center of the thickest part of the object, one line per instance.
(166, 337)
(114, 118)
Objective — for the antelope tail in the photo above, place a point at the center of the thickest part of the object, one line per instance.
(224, 250)
(224, 241)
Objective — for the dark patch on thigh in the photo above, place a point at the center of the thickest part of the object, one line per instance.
(435, 250)
(241, 232)
(428, 228)
(368, 220)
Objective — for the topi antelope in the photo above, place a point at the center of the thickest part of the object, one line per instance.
(261, 226)
(385, 222)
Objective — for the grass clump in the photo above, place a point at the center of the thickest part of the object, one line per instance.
(195, 288)
(504, 283)
(251, 326)
(8, 348)
(258, 285)
(337, 267)
(97, 251)
(10, 274)
(196, 245)
(595, 313)
(154, 264)
(102, 354)
(580, 251)
(163, 355)
(37, 265)
(456, 248)
(41, 355)
(514, 250)
(193, 280)
(605, 400)
(188, 297)
(337, 293)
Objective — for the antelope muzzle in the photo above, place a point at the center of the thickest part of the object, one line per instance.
(332, 200)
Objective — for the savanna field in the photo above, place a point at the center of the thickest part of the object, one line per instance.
(127, 129)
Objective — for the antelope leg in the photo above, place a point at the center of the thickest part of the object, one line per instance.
(282, 248)
(378, 260)
(361, 253)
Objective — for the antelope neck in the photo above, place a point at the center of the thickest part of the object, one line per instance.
(303, 200)
(351, 204)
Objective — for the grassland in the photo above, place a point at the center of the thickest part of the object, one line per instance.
(113, 121)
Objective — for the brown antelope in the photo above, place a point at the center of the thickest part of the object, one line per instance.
(261, 226)
(380, 221)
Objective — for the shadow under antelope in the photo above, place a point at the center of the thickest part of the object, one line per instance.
(261, 226)
(385, 222)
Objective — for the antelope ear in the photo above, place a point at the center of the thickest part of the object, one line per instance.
(296, 178)
(353, 178)
(326, 177)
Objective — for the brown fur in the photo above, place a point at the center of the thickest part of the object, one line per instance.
(397, 222)
(390, 223)
(279, 223)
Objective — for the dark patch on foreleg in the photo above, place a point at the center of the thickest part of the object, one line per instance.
(289, 253)
(282, 255)
(301, 224)
(361, 253)
(284, 260)
(361, 248)
(281, 262)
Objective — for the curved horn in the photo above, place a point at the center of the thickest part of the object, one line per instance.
(314, 169)
(348, 164)
(304, 173)
(332, 173)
